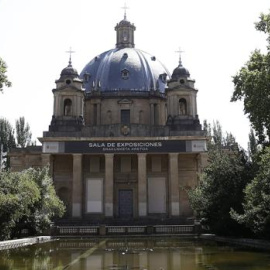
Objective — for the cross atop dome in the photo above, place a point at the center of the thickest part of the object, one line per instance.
(125, 7)
(180, 52)
(70, 52)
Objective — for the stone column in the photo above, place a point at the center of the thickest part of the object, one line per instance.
(173, 184)
(157, 114)
(142, 185)
(98, 113)
(109, 185)
(152, 114)
(77, 186)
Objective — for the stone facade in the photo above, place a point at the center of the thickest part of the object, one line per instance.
(125, 142)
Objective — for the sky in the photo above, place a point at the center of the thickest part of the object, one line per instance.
(217, 37)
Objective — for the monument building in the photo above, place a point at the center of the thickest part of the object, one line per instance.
(125, 141)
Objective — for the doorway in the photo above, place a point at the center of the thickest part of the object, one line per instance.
(125, 203)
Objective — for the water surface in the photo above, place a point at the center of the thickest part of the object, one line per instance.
(133, 253)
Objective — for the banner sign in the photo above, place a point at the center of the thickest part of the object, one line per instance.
(162, 146)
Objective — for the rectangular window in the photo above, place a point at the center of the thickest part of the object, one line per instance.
(94, 196)
(125, 117)
(157, 195)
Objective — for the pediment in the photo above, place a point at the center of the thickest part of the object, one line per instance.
(125, 101)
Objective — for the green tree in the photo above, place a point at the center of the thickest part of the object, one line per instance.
(256, 215)
(220, 188)
(253, 147)
(217, 138)
(7, 141)
(221, 183)
(3, 77)
(23, 133)
(17, 194)
(49, 206)
(27, 200)
(252, 84)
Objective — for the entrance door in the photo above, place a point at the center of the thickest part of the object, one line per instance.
(125, 203)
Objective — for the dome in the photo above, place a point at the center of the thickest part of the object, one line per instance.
(180, 71)
(125, 69)
(69, 71)
(124, 23)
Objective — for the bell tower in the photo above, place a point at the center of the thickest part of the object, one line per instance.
(182, 100)
(68, 101)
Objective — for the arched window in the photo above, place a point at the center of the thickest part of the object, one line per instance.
(67, 107)
(182, 106)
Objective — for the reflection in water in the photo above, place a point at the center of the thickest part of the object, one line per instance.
(133, 253)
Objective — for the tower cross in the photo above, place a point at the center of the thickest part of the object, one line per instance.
(70, 52)
(125, 7)
(180, 60)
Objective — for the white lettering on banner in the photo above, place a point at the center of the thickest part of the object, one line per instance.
(124, 146)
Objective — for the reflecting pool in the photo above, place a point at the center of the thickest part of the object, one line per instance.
(133, 253)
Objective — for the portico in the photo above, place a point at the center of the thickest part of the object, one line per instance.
(123, 184)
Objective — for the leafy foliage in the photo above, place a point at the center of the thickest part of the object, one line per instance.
(7, 141)
(220, 188)
(27, 200)
(7, 138)
(221, 183)
(3, 77)
(256, 204)
(252, 84)
(217, 138)
(23, 133)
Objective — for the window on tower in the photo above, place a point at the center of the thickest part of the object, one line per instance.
(182, 106)
(67, 107)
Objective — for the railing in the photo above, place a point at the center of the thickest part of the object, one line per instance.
(124, 93)
(77, 230)
(174, 229)
(23, 242)
(123, 230)
(114, 230)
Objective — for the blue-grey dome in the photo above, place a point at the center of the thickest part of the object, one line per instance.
(69, 71)
(125, 69)
(179, 72)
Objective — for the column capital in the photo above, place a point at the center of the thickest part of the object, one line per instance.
(77, 155)
(109, 155)
(141, 155)
(173, 155)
